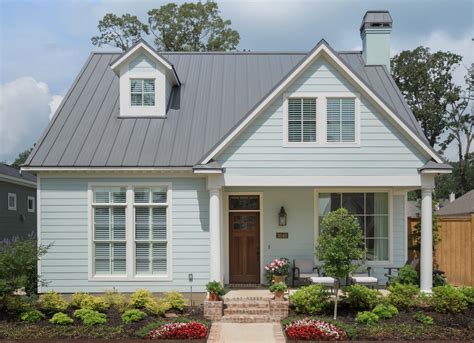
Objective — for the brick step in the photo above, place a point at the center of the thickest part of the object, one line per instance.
(246, 311)
(247, 318)
(247, 303)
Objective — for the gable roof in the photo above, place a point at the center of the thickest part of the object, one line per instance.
(218, 91)
(461, 206)
(14, 175)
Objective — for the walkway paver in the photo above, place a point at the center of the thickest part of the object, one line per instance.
(248, 332)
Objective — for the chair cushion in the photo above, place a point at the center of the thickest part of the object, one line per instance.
(325, 280)
(364, 279)
(308, 275)
(305, 266)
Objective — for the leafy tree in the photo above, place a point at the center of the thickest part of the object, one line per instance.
(340, 243)
(191, 27)
(426, 81)
(454, 182)
(121, 32)
(22, 157)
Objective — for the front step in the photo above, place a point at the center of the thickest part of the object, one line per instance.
(247, 318)
(242, 311)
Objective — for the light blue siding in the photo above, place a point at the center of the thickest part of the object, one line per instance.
(259, 149)
(64, 219)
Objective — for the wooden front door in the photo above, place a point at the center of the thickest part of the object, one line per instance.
(244, 247)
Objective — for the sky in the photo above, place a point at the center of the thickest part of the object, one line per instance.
(44, 43)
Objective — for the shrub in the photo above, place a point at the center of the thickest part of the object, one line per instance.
(32, 316)
(116, 300)
(448, 299)
(407, 275)
(361, 297)
(158, 307)
(278, 287)
(84, 300)
(468, 293)
(314, 330)
(176, 300)
(132, 316)
(179, 331)
(141, 298)
(61, 319)
(310, 299)
(439, 280)
(403, 296)
(52, 302)
(385, 311)
(215, 287)
(367, 318)
(16, 304)
(90, 317)
(77, 298)
(423, 318)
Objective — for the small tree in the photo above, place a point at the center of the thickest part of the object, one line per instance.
(340, 243)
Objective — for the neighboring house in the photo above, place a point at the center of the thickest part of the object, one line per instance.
(17, 203)
(161, 165)
(413, 207)
(462, 206)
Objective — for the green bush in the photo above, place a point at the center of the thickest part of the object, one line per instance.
(215, 287)
(423, 318)
(61, 319)
(448, 299)
(176, 300)
(16, 304)
(77, 298)
(366, 317)
(158, 307)
(141, 298)
(131, 316)
(278, 287)
(361, 297)
(32, 316)
(439, 280)
(52, 302)
(90, 317)
(310, 299)
(85, 300)
(403, 296)
(385, 311)
(407, 275)
(468, 293)
(116, 300)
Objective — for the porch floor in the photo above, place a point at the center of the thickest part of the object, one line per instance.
(265, 293)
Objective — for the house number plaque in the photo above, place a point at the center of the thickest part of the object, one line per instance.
(282, 235)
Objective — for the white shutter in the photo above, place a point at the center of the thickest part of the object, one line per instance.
(142, 261)
(159, 223)
(159, 257)
(118, 229)
(119, 258)
(102, 223)
(102, 258)
(142, 223)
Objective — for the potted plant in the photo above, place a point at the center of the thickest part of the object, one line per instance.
(277, 270)
(279, 290)
(215, 290)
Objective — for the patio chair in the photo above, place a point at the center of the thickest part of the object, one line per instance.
(305, 269)
(362, 277)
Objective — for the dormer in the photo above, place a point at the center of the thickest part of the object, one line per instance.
(146, 81)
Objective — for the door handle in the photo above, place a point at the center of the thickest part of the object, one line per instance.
(258, 251)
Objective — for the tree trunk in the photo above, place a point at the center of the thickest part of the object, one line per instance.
(336, 289)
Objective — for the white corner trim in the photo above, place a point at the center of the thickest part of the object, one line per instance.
(38, 228)
(309, 59)
(12, 196)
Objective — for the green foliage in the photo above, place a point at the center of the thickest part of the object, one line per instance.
(215, 287)
(176, 300)
(423, 318)
(17, 303)
(21, 159)
(468, 294)
(340, 243)
(403, 296)
(132, 316)
(407, 275)
(77, 298)
(90, 317)
(361, 297)
(121, 32)
(366, 317)
(385, 311)
(448, 299)
(158, 307)
(416, 233)
(61, 319)
(52, 302)
(116, 300)
(278, 287)
(32, 316)
(141, 298)
(84, 300)
(191, 27)
(310, 299)
(439, 280)
(447, 183)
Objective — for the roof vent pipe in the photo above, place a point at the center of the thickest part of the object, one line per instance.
(375, 31)
(452, 197)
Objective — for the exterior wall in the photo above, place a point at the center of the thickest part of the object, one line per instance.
(20, 223)
(259, 149)
(376, 46)
(64, 222)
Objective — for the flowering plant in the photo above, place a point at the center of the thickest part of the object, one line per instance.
(314, 330)
(279, 266)
(179, 330)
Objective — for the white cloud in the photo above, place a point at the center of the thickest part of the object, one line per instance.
(54, 104)
(26, 105)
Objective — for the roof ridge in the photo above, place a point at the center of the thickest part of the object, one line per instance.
(355, 52)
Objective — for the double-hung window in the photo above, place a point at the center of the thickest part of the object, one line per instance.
(11, 199)
(301, 120)
(340, 117)
(142, 92)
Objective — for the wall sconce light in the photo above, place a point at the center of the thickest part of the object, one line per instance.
(282, 217)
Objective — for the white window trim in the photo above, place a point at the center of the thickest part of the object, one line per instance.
(129, 233)
(31, 210)
(11, 195)
(321, 119)
(358, 190)
(142, 79)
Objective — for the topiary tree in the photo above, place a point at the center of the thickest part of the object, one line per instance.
(340, 242)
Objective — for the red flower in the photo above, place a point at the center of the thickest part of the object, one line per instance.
(314, 330)
(187, 331)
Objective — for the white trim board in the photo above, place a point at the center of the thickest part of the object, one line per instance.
(322, 49)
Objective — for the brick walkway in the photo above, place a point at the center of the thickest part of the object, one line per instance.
(246, 332)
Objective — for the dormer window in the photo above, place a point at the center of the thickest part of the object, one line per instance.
(142, 92)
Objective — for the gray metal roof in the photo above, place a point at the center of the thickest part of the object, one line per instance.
(15, 173)
(376, 19)
(217, 91)
(461, 206)
(431, 165)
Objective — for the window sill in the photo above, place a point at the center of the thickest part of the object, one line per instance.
(143, 116)
(320, 145)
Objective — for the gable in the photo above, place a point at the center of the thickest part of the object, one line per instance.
(142, 63)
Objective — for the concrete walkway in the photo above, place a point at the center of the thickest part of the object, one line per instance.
(251, 332)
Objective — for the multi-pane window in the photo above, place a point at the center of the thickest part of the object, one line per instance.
(151, 241)
(371, 209)
(109, 223)
(142, 92)
(302, 120)
(341, 120)
(11, 201)
(31, 203)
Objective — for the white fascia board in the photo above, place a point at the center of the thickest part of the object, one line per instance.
(207, 171)
(16, 181)
(436, 171)
(292, 77)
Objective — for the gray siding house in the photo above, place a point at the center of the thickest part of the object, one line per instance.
(17, 203)
(158, 165)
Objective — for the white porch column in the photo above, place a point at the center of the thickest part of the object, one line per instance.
(426, 249)
(215, 234)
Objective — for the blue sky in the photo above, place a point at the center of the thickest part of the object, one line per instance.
(44, 43)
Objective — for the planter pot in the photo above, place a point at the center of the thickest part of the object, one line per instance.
(280, 296)
(279, 278)
(213, 297)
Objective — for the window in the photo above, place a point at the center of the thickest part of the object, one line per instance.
(151, 209)
(371, 209)
(12, 201)
(341, 120)
(31, 204)
(302, 120)
(142, 92)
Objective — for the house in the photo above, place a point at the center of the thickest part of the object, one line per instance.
(169, 169)
(17, 203)
(460, 207)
